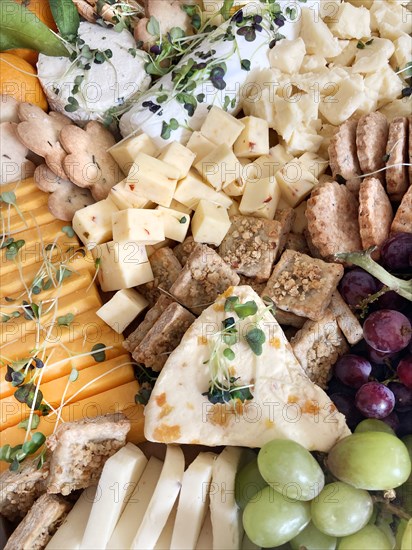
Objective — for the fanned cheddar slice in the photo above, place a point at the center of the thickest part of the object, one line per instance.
(283, 402)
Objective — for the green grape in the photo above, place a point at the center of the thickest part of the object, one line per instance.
(368, 538)
(290, 469)
(375, 461)
(271, 519)
(248, 483)
(373, 425)
(341, 510)
(407, 537)
(313, 539)
(405, 491)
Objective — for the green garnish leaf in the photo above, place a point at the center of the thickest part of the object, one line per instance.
(6, 242)
(99, 356)
(65, 320)
(153, 26)
(246, 310)
(17, 378)
(8, 197)
(256, 338)
(68, 229)
(36, 441)
(183, 219)
(62, 274)
(225, 10)
(360, 45)
(245, 64)
(230, 302)
(13, 249)
(66, 17)
(24, 424)
(229, 354)
(26, 393)
(4, 318)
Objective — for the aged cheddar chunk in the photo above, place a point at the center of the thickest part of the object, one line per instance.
(221, 127)
(139, 225)
(179, 156)
(210, 223)
(254, 138)
(260, 198)
(120, 311)
(124, 152)
(93, 224)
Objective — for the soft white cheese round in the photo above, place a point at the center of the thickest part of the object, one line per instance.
(106, 85)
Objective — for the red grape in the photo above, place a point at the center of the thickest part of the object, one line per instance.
(345, 405)
(396, 252)
(387, 330)
(403, 396)
(380, 357)
(356, 285)
(375, 400)
(353, 370)
(404, 371)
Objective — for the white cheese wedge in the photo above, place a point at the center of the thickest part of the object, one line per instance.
(179, 156)
(287, 55)
(285, 404)
(124, 198)
(260, 198)
(162, 501)
(225, 514)
(175, 222)
(139, 225)
(205, 540)
(210, 223)
(221, 127)
(70, 533)
(253, 141)
(120, 475)
(124, 152)
(93, 223)
(193, 502)
(136, 506)
(191, 189)
(122, 309)
(351, 22)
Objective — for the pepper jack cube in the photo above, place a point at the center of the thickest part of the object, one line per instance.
(221, 127)
(122, 309)
(93, 224)
(295, 181)
(153, 179)
(260, 198)
(220, 167)
(254, 138)
(123, 198)
(179, 156)
(122, 265)
(210, 223)
(139, 225)
(192, 189)
(176, 223)
(200, 145)
(124, 152)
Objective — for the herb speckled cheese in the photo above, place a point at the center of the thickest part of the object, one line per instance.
(285, 404)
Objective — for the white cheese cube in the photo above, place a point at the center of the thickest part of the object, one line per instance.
(210, 223)
(236, 187)
(313, 63)
(287, 55)
(200, 145)
(191, 189)
(317, 36)
(123, 198)
(221, 127)
(139, 225)
(300, 223)
(351, 22)
(373, 57)
(260, 198)
(122, 309)
(176, 205)
(179, 156)
(176, 223)
(295, 182)
(254, 138)
(93, 224)
(390, 19)
(153, 179)
(220, 167)
(339, 107)
(304, 138)
(290, 114)
(314, 163)
(280, 155)
(122, 265)
(403, 49)
(348, 53)
(124, 152)
(263, 167)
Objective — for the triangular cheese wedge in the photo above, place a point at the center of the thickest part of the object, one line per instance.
(285, 403)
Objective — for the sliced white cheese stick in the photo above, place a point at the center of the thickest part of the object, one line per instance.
(69, 535)
(193, 501)
(117, 482)
(224, 512)
(136, 507)
(162, 501)
(205, 540)
(165, 538)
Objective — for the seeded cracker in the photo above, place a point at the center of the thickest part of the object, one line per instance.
(402, 222)
(375, 213)
(65, 198)
(371, 140)
(183, 250)
(342, 155)
(332, 214)
(88, 164)
(40, 132)
(166, 268)
(397, 153)
(303, 285)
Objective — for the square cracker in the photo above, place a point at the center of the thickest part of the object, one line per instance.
(303, 285)
(347, 321)
(166, 268)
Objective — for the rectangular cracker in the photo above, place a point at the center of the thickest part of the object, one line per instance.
(166, 268)
(347, 321)
(402, 222)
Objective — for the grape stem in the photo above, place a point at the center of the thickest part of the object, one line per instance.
(392, 508)
(364, 260)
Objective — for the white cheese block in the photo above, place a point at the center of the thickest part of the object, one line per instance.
(374, 56)
(260, 198)
(200, 145)
(162, 501)
(287, 55)
(225, 514)
(210, 223)
(179, 156)
(176, 205)
(70, 533)
(122, 309)
(316, 164)
(191, 189)
(279, 155)
(139, 225)
(136, 506)
(253, 141)
(295, 182)
(220, 167)
(120, 475)
(205, 540)
(152, 179)
(221, 127)
(193, 502)
(124, 152)
(104, 86)
(176, 223)
(122, 265)
(124, 198)
(93, 223)
(179, 412)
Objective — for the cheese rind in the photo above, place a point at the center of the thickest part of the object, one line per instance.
(139, 225)
(124, 152)
(210, 223)
(120, 310)
(93, 223)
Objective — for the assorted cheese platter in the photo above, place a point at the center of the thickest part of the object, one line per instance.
(206, 292)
